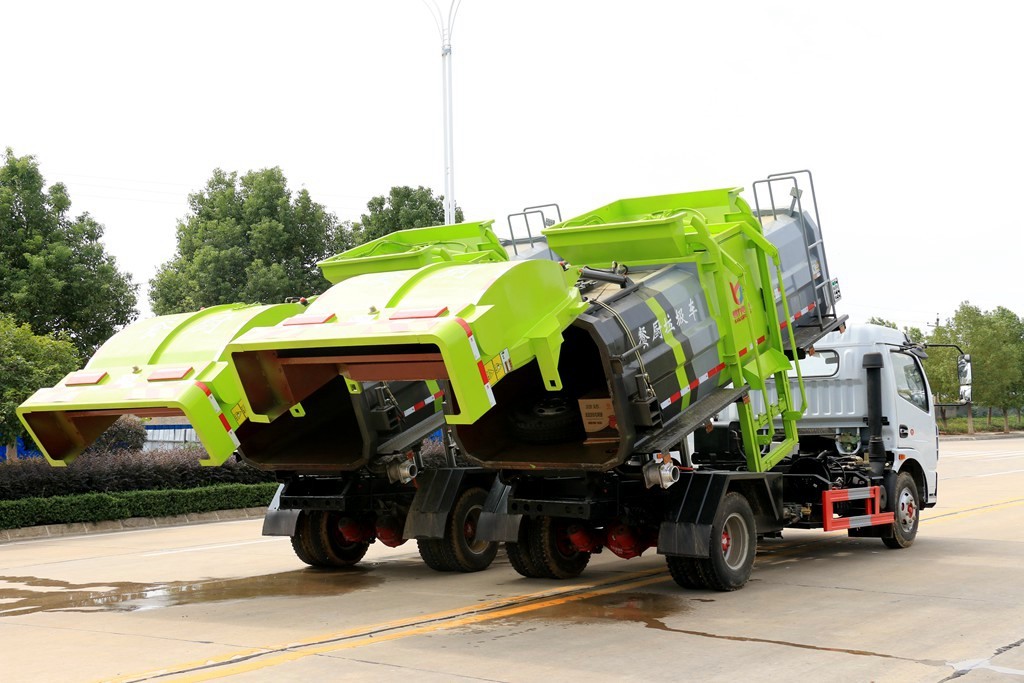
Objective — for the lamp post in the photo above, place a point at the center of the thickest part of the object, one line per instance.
(445, 25)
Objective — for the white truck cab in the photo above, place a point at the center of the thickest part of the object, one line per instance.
(835, 382)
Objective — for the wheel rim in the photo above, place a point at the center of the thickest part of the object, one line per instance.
(338, 538)
(548, 407)
(563, 545)
(469, 531)
(907, 512)
(735, 541)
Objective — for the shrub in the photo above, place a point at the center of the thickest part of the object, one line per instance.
(98, 507)
(114, 471)
(126, 434)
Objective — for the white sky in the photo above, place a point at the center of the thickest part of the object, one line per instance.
(908, 113)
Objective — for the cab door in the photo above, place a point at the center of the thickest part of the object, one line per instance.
(915, 417)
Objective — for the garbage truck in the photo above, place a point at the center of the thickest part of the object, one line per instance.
(636, 384)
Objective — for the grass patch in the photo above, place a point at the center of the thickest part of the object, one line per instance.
(958, 425)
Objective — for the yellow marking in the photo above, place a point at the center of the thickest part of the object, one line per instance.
(287, 657)
(486, 611)
(239, 412)
(768, 553)
(667, 331)
(498, 367)
(495, 370)
(396, 624)
(962, 512)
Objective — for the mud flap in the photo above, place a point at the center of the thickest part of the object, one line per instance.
(436, 492)
(496, 524)
(278, 522)
(694, 501)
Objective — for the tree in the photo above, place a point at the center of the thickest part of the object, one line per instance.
(403, 208)
(1005, 334)
(247, 240)
(55, 274)
(875, 320)
(28, 362)
(942, 368)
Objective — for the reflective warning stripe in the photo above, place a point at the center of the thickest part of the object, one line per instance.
(220, 413)
(423, 404)
(745, 351)
(677, 396)
(838, 524)
(799, 314)
(692, 386)
(479, 361)
(871, 494)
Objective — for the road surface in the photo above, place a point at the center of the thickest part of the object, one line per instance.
(219, 601)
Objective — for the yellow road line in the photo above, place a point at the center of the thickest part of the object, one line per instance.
(480, 607)
(259, 658)
(294, 655)
(974, 510)
(766, 555)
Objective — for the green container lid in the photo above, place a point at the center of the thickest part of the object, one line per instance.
(643, 229)
(417, 247)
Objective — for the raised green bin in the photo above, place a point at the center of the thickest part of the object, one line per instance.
(417, 247)
(644, 229)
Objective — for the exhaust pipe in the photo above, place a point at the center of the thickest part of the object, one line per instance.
(873, 364)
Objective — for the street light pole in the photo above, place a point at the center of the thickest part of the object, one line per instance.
(445, 25)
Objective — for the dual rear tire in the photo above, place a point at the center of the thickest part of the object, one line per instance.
(544, 551)
(319, 543)
(733, 546)
(460, 550)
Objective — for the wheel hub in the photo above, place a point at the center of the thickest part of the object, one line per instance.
(550, 406)
(907, 511)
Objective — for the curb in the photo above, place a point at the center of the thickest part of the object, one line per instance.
(132, 523)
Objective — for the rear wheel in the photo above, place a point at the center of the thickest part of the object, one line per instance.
(433, 554)
(552, 550)
(686, 571)
(554, 418)
(907, 511)
(303, 540)
(733, 545)
(519, 555)
(339, 551)
(465, 551)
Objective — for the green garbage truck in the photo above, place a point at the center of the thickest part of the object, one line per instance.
(638, 383)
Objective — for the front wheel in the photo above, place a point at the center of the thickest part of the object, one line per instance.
(907, 511)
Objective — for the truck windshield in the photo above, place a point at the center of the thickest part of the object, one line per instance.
(910, 383)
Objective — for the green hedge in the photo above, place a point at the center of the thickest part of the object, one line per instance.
(98, 507)
(112, 470)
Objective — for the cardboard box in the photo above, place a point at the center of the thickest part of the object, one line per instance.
(599, 417)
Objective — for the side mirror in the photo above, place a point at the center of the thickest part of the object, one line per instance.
(963, 367)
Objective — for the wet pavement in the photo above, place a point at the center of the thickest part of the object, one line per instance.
(219, 601)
